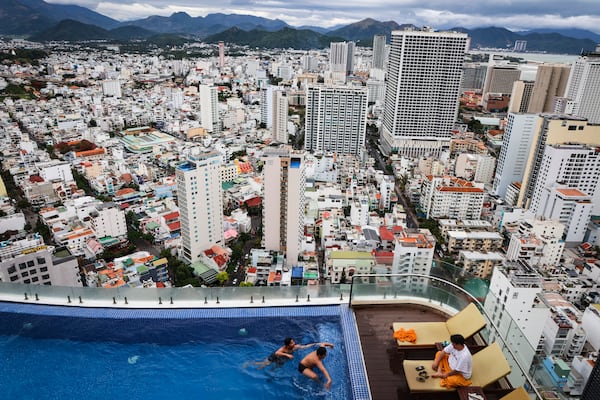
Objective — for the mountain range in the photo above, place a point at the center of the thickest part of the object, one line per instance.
(41, 21)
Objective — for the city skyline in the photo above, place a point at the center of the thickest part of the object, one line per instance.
(519, 16)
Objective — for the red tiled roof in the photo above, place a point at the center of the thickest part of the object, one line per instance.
(385, 234)
(171, 215)
(124, 191)
(174, 226)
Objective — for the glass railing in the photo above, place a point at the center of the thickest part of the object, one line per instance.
(175, 297)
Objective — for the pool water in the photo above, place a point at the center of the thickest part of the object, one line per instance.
(54, 357)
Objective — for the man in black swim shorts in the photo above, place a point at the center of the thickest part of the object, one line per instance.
(315, 359)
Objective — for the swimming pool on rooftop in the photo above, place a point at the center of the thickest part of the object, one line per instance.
(56, 352)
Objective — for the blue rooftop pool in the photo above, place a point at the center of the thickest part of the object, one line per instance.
(54, 352)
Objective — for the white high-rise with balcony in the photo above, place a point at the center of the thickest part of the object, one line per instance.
(209, 108)
(574, 166)
(284, 180)
(421, 99)
(583, 88)
(200, 199)
(379, 51)
(336, 119)
(514, 153)
(279, 131)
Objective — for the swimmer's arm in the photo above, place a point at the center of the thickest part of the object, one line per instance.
(282, 353)
(319, 344)
(325, 373)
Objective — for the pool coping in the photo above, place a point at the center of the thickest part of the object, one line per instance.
(354, 357)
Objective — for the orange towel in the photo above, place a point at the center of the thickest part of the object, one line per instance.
(405, 335)
(453, 381)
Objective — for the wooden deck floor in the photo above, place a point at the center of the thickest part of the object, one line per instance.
(382, 359)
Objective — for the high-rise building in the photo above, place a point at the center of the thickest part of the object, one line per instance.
(111, 87)
(499, 79)
(421, 98)
(552, 129)
(521, 96)
(209, 108)
(221, 54)
(341, 57)
(515, 308)
(574, 165)
(583, 88)
(379, 51)
(592, 387)
(336, 119)
(570, 206)
(283, 210)
(520, 45)
(31, 261)
(514, 153)
(550, 83)
(279, 132)
(473, 76)
(200, 201)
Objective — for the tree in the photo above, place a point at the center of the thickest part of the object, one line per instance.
(222, 277)
(246, 284)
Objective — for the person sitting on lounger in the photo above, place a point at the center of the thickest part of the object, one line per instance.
(453, 364)
(315, 359)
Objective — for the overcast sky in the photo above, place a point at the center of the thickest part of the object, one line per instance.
(511, 14)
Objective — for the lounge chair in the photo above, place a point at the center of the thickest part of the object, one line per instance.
(489, 365)
(518, 394)
(467, 322)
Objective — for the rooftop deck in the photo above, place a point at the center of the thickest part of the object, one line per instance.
(383, 360)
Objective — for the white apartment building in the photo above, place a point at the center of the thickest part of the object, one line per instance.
(31, 261)
(567, 165)
(475, 167)
(591, 324)
(514, 306)
(478, 263)
(413, 254)
(583, 88)
(108, 220)
(571, 207)
(379, 52)
(209, 108)
(55, 170)
(479, 241)
(562, 334)
(284, 201)
(386, 189)
(279, 128)
(423, 86)
(359, 211)
(514, 153)
(341, 57)
(112, 88)
(200, 201)
(449, 197)
(336, 120)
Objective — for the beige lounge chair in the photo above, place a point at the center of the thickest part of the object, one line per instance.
(489, 365)
(518, 394)
(467, 322)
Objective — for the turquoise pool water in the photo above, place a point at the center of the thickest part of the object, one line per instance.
(127, 355)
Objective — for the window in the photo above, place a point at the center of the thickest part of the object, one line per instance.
(12, 270)
(30, 263)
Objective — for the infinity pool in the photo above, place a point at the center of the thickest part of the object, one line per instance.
(74, 353)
